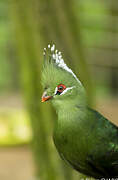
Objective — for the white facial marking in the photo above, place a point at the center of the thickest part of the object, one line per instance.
(67, 89)
(57, 57)
(55, 91)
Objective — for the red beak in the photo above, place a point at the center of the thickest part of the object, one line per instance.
(45, 98)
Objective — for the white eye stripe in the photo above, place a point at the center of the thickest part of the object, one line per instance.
(55, 91)
(67, 89)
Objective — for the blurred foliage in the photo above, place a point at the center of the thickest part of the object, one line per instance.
(4, 33)
(8, 65)
(94, 21)
(15, 128)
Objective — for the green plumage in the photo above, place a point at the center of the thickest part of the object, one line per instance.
(83, 137)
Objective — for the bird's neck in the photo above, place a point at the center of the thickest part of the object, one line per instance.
(68, 115)
(68, 106)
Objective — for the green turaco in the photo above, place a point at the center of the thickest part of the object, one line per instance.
(84, 138)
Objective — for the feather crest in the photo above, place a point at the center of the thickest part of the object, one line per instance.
(55, 56)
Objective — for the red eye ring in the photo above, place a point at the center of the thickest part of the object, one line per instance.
(61, 87)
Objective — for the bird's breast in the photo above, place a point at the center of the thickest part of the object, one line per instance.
(69, 142)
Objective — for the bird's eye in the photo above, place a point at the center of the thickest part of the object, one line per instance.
(61, 87)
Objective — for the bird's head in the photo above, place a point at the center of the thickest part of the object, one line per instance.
(59, 82)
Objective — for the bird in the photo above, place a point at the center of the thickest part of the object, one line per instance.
(84, 138)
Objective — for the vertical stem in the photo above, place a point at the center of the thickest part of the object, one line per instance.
(29, 54)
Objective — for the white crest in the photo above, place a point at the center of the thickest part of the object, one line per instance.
(57, 57)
